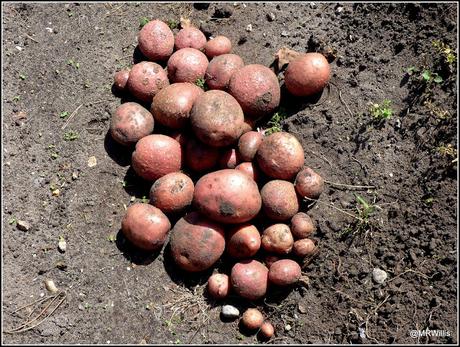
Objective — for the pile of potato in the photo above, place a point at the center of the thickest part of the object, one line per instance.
(235, 190)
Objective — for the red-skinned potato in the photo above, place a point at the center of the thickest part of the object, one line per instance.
(145, 226)
(248, 144)
(266, 330)
(302, 226)
(303, 248)
(218, 286)
(187, 65)
(252, 319)
(257, 90)
(172, 192)
(145, 80)
(227, 196)
(190, 37)
(156, 41)
(309, 184)
(270, 259)
(280, 155)
(171, 106)
(249, 279)
(248, 125)
(221, 69)
(230, 159)
(196, 242)
(307, 74)
(243, 241)
(182, 138)
(284, 272)
(250, 169)
(218, 45)
(200, 157)
(278, 239)
(217, 118)
(120, 79)
(155, 156)
(279, 200)
(130, 123)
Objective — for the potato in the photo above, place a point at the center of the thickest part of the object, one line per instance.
(156, 41)
(248, 125)
(243, 241)
(278, 239)
(307, 74)
(280, 156)
(145, 80)
(284, 272)
(172, 192)
(302, 226)
(257, 90)
(196, 242)
(190, 37)
(145, 226)
(227, 196)
(270, 259)
(200, 157)
(249, 279)
(248, 144)
(130, 123)
(183, 139)
(171, 106)
(304, 247)
(221, 69)
(120, 79)
(219, 45)
(218, 286)
(252, 319)
(217, 118)
(187, 65)
(230, 159)
(279, 200)
(155, 156)
(266, 330)
(309, 184)
(249, 169)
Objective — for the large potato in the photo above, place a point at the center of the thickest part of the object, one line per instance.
(227, 196)
(156, 40)
(279, 200)
(172, 192)
(249, 279)
(221, 69)
(187, 65)
(145, 80)
(284, 272)
(130, 123)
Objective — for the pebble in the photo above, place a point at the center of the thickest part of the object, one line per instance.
(249, 27)
(229, 311)
(62, 245)
(271, 16)
(379, 276)
(92, 161)
(74, 175)
(23, 225)
(287, 327)
(301, 308)
(50, 286)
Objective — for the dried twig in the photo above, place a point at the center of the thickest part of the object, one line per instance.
(71, 116)
(336, 208)
(350, 185)
(31, 38)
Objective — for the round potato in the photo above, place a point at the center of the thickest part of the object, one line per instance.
(277, 239)
(200, 157)
(172, 192)
(284, 272)
(309, 184)
(219, 286)
(190, 37)
(130, 123)
(249, 279)
(250, 169)
(279, 200)
(304, 247)
(221, 69)
(252, 319)
(217, 46)
(156, 40)
(145, 80)
(230, 159)
(243, 241)
(248, 144)
(302, 226)
(187, 65)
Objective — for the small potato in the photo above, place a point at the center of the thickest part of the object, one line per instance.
(171, 106)
(172, 192)
(303, 248)
(155, 156)
(130, 123)
(120, 79)
(187, 65)
(270, 259)
(277, 239)
(219, 45)
(200, 157)
(252, 319)
(280, 156)
(266, 330)
(156, 41)
(248, 144)
(302, 226)
(221, 69)
(219, 286)
(250, 169)
(145, 226)
(309, 184)
(279, 200)
(243, 241)
(249, 279)
(145, 80)
(230, 159)
(248, 125)
(284, 272)
(190, 37)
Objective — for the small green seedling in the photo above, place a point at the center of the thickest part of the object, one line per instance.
(16, 98)
(275, 122)
(63, 114)
(71, 135)
(143, 21)
(22, 76)
(73, 63)
(381, 111)
(425, 75)
(445, 50)
(447, 151)
(200, 82)
(172, 24)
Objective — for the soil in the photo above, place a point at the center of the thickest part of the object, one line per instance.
(61, 58)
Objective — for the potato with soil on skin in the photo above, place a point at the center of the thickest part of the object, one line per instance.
(221, 69)
(307, 74)
(219, 286)
(156, 40)
(190, 37)
(243, 241)
(279, 200)
(120, 79)
(257, 90)
(249, 279)
(284, 272)
(266, 330)
(250, 169)
(217, 46)
(309, 184)
(196, 242)
(302, 226)
(217, 118)
(248, 125)
(270, 259)
(171, 106)
(182, 138)
(278, 239)
(130, 123)
(303, 248)
(156, 155)
(187, 65)
(252, 319)
(280, 156)
(200, 157)
(248, 144)
(227, 196)
(145, 80)
(172, 192)
(230, 159)
(145, 226)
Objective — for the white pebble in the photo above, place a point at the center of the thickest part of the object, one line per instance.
(229, 311)
(288, 327)
(50, 286)
(249, 27)
(49, 29)
(62, 245)
(379, 276)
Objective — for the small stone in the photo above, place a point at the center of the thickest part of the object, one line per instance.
(229, 311)
(62, 245)
(287, 327)
(312, 5)
(271, 17)
(92, 161)
(339, 9)
(379, 276)
(50, 286)
(249, 28)
(284, 33)
(23, 225)
(301, 308)
(80, 307)
(74, 175)
(56, 192)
